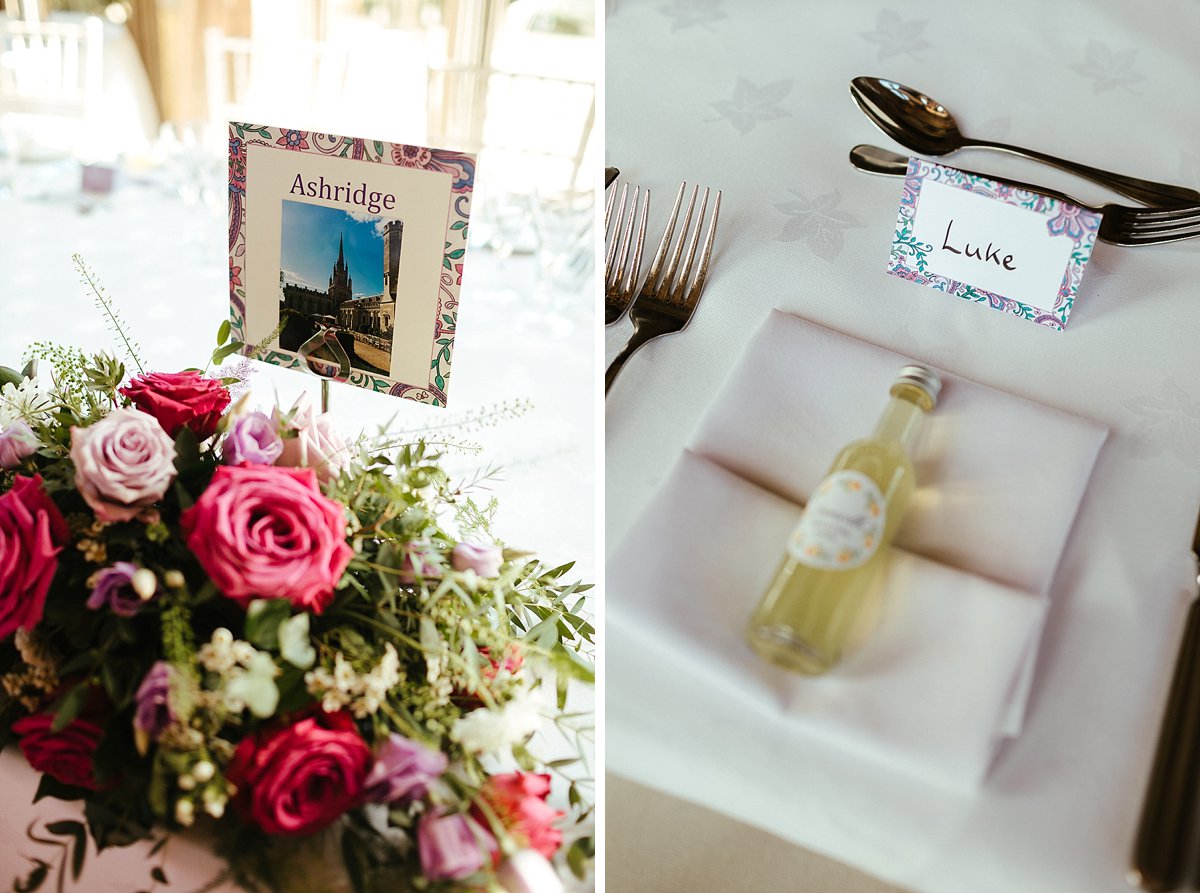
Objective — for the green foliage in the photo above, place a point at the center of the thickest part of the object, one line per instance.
(112, 315)
(451, 636)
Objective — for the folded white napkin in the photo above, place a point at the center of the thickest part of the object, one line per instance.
(945, 675)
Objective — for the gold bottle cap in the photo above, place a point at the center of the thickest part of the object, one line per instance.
(922, 377)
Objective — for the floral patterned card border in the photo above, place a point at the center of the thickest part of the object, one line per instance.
(910, 257)
(459, 166)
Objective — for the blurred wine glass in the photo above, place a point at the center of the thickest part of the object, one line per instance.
(564, 223)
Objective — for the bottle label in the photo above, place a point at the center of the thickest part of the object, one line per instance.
(842, 524)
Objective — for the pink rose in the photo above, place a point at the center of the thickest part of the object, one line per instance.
(300, 778)
(17, 442)
(180, 400)
(485, 560)
(123, 464)
(32, 533)
(310, 441)
(260, 531)
(65, 755)
(518, 799)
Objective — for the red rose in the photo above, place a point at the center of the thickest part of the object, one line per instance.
(518, 800)
(264, 531)
(65, 755)
(32, 533)
(180, 400)
(300, 778)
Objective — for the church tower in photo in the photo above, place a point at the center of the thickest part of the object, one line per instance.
(393, 235)
(341, 286)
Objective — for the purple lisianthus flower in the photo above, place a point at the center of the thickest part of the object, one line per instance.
(253, 439)
(17, 441)
(451, 846)
(154, 712)
(403, 771)
(485, 560)
(114, 590)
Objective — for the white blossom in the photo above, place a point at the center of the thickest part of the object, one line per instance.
(489, 729)
(28, 400)
(344, 688)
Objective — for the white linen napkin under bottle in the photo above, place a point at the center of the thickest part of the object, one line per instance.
(944, 677)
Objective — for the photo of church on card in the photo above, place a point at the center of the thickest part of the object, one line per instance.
(340, 268)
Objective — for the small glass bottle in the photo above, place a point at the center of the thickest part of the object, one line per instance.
(812, 605)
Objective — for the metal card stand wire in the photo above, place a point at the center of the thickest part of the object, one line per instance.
(325, 357)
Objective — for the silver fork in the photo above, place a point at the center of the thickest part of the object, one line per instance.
(669, 295)
(1120, 224)
(623, 259)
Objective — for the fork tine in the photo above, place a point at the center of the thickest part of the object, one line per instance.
(611, 254)
(626, 239)
(661, 253)
(663, 288)
(680, 289)
(1136, 223)
(1157, 237)
(641, 241)
(608, 203)
(693, 294)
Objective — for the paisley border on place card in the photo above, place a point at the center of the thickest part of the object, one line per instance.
(909, 257)
(460, 166)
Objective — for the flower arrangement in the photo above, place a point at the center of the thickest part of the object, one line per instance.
(220, 616)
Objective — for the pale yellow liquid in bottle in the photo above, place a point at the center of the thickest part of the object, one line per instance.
(808, 614)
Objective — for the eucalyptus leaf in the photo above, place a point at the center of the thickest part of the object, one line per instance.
(263, 619)
(70, 707)
(10, 376)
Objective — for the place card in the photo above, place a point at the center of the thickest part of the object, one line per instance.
(360, 237)
(993, 243)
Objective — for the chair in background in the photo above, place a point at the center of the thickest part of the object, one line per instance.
(51, 79)
(369, 87)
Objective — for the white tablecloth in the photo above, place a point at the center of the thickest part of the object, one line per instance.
(164, 264)
(754, 100)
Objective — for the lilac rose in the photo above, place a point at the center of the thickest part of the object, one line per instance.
(403, 771)
(17, 442)
(451, 847)
(123, 464)
(485, 560)
(419, 561)
(253, 439)
(113, 589)
(311, 441)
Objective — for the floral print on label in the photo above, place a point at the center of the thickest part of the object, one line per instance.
(910, 257)
(842, 525)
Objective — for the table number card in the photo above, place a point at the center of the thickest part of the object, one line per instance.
(363, 236)
(1016, 250)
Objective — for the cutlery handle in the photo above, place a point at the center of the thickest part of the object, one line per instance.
(874, 160)
(1144, 191)
(1161, 849)
(642, 332)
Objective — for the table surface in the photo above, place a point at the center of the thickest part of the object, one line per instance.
(757, 104)
(162, 259)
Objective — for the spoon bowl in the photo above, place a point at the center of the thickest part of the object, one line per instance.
(925, 126)
(911, 118)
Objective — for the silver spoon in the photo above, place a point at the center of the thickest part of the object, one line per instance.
(923, 125)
